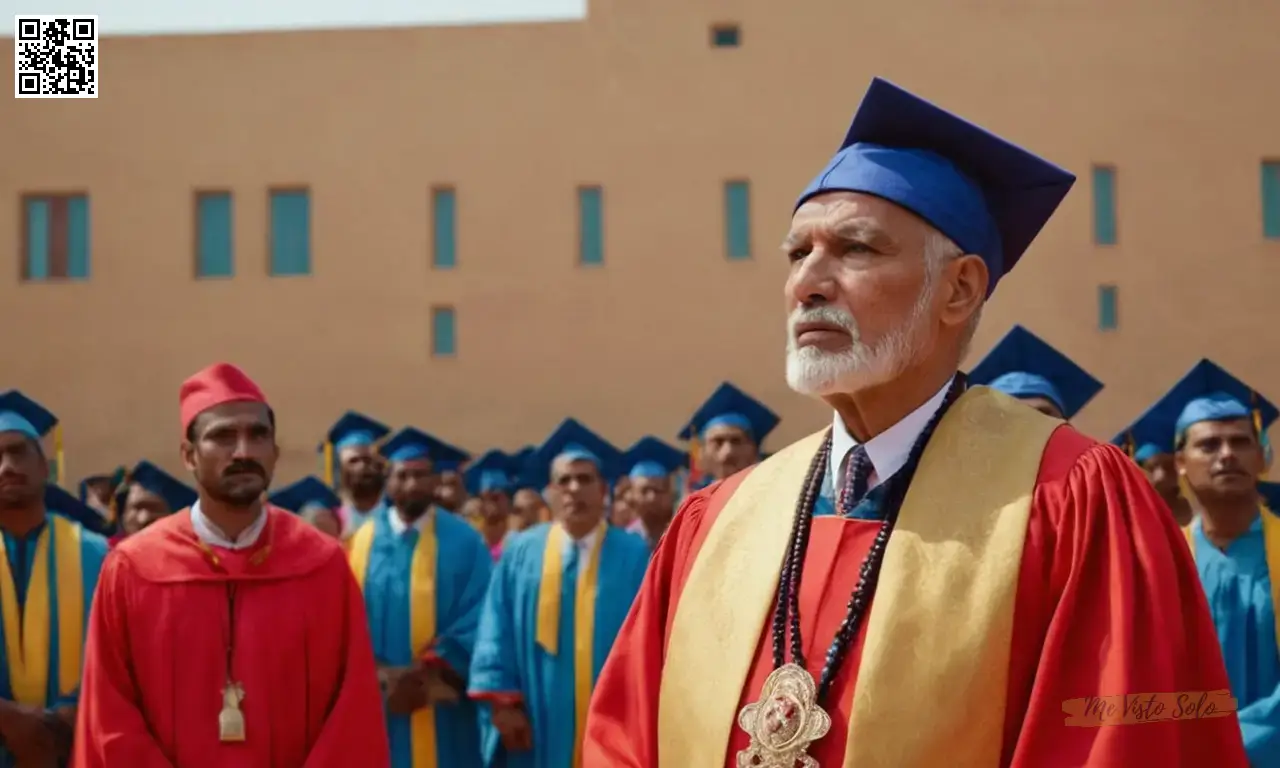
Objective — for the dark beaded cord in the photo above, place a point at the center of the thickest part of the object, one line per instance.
(786, 619)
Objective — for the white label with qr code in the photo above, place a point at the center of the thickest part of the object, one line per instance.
(55, 57)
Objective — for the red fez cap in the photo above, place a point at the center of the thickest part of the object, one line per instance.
(219, 383)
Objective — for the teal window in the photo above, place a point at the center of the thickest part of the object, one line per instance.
(1104, 205)
(1108, 308)
(726, 36)
(1271, 199)
(55, 237)
(290, 232)
(444, 228)
(213, 235)
(590, 225)
(444, 332)
(737, 219)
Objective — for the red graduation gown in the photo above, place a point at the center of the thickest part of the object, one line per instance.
(155, 658)
(1108, 602)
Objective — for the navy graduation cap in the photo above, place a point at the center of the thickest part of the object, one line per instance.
(651, 457)
(730, 406)
(1205, 393)
(19, 413)
(989, 196)
(306, 492)
(176, 494)
(62, 503)
(352, 429)
(113, 480)
(1024, 365)
(491, 472)
(1270, 494)
(412, 443)
(575, 441)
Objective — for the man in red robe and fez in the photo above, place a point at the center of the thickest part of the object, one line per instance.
(230, 633)
(1016, 566)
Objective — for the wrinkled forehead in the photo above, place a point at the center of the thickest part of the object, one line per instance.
(564, 466)
(854, 214)
(1226, 428)
(725, 433)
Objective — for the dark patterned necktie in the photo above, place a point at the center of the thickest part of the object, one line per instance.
(857, 475)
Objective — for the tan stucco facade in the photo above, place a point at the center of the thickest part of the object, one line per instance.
(1179, 97)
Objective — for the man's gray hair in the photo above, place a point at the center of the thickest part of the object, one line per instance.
(938, 251)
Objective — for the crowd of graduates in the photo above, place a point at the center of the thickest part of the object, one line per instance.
(493, 586)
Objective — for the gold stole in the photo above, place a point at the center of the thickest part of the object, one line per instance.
(26, 637)
(584, 621)
(422, 617)
(1270, 544)
(931, 685)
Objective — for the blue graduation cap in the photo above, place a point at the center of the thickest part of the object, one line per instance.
(305, 492)
(350, 430)
(989, 196)
(411, 443)
(1270, 494)
(571, 440)
(1205, 393)
(491, 472)
(650, 457)
(1024, 365)
(19, 413)
(62, 503)
(730, 406)
(176, 494)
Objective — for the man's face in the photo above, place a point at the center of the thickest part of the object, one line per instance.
(528, 505)
(450, 491)
(861, 295)
(577, 492)
(233, 454)
(23, 470)
(1043, 405)
(1162, 471)
(411, 486)
(1221, 459)
(141, 508)
(495, 506)
(726, 450)
(361, 469)
(651, 497)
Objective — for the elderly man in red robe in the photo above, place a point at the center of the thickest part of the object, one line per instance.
(230, 633)
(945, 576)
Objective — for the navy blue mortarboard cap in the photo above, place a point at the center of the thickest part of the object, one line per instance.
(19, 413)
(176, 494)
(989, 196)
(1024, 365)
(730, 406)
(309, 490)
(575, 441)
(491, 472)
(651, 457)
(60, 502)
(411, 443)
(1205, 393)
(355, 429)
(114, 479)
(1270, 493)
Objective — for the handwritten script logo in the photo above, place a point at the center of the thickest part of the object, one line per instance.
(1135, 708)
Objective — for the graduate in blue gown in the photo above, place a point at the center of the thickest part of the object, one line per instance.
(312, 500)
(1150, 445)
(48, 572)
(1216, 422)
(490, 483)
(147, 494)
(725, 435)
(1024, 366)
(556, 601)
(424, 573)
(352, 466)
(651, 466)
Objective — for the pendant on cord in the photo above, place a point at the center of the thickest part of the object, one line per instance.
(784, 722)
(231, 719)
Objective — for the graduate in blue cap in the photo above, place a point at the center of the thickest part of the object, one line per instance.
(490, 483)
(1151, 447)
(650, 465)
(148, 494)
(98, 491)
(351, 448)
(527, 502)
(944, 505)
(49, 570)
(423, 572)
(534, 668)
(725, 434)
(1216, 422)
(314, 501)
(1024, 366)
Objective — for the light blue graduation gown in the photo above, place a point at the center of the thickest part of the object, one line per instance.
(21, 553)
(463, 566)
(509, 660)
(1238, 586)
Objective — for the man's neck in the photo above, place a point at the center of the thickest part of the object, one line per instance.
(361, 502)
(493, 531)
(580, 530)
(871, 411)
(655, 530)
(1225, 520)
(231, 520)
(19, 521)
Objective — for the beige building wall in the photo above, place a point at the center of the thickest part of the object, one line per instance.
(1178, 96)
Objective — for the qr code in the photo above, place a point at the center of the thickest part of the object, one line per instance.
(55, 57)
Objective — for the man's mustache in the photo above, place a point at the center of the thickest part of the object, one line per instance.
(245, 468)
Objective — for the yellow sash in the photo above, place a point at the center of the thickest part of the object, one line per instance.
(1270, 544)
(584, 621)
(931, 685)
(26, 637)
(422, 618)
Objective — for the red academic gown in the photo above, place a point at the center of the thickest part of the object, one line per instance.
(1108, 602)
(155, 658)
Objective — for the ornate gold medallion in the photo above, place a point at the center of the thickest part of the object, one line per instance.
(784, 722)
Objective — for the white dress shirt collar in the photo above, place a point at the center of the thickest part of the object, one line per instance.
(211, 534)
(888, 450)
(399, 527)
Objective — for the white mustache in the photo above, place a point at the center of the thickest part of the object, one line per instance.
(832, 315)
